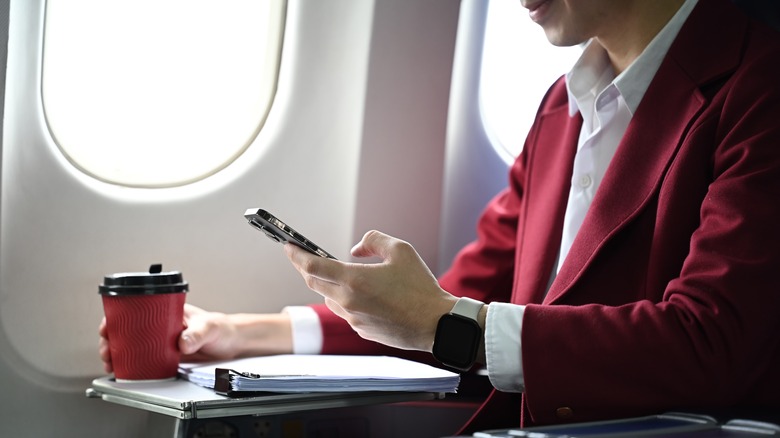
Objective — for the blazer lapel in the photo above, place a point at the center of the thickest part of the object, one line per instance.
(673, 101)
(547, 184)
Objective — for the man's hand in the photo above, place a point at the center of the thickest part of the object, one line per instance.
(396, 302)
(218, 336)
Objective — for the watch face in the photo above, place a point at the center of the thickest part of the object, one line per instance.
(457, 341)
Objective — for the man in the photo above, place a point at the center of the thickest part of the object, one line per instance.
(629, 268)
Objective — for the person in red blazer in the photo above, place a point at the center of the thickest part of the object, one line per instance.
(669, 296)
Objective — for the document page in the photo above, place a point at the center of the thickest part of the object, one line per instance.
(324, 373)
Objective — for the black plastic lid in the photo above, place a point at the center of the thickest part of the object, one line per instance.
(143, 283)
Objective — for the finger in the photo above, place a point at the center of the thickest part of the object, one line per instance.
(102, 330)
(103, 350)
(326, 289)
(190, 310)
(374, 243)
(335, 308)
(105, 354)
(308, 264)
(194, 337)
(346, 316)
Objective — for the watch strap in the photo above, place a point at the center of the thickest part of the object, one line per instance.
(468, 307)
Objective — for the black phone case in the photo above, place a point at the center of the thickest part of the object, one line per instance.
(279, 231)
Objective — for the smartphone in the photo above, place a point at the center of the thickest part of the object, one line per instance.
(279, 231)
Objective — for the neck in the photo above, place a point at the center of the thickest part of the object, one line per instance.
(633, 30)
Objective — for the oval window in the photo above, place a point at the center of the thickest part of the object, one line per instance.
(158, 93)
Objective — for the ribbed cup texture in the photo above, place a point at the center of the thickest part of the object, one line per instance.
(143, 331)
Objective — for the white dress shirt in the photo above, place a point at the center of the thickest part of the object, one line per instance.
(607, 104)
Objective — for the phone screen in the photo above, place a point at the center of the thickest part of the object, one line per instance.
(279, 231)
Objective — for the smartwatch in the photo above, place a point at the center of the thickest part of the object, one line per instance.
(458, 335)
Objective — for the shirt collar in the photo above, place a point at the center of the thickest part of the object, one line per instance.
(592, 72)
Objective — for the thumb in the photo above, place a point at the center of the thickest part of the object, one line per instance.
(193, 338)
(373, 243)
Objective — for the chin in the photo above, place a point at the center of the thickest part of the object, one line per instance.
(561, 39)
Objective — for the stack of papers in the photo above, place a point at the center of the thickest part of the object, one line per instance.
(324, 373)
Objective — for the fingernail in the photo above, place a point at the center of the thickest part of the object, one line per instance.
(186, 344)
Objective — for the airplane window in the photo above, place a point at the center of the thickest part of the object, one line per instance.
(158, 93)
(518, 66)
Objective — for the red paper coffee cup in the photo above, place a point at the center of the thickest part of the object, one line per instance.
(144, 318)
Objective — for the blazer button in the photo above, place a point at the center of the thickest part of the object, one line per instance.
(564, 413)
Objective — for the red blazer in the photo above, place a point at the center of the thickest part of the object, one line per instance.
(670, 296)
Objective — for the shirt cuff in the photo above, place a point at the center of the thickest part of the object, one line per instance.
(306, 329)
(503, 328)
